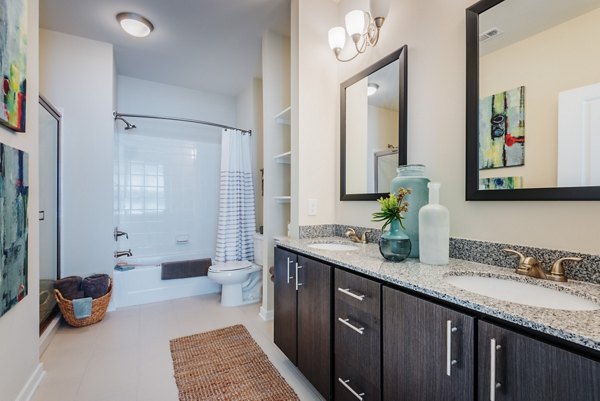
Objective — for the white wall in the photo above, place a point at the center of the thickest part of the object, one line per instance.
(315, 110)
(183, 200)
(435, 33)
(19, 340)
(249, 116)
(77, 76)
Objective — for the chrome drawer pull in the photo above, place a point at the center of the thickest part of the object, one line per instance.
(347, 292)
(359, 330)
(289, 261)
(449, 360)
(297, 276)
(493, 384)
(354, 393)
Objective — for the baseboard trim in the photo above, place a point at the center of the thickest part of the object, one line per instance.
(32, 384)
(48, 334)
(265, 314)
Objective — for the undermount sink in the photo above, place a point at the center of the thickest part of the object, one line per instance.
(522, 293)
(333, 246)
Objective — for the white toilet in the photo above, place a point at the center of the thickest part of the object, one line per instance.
(241, 281)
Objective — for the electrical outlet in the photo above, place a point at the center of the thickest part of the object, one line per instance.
(312, 207)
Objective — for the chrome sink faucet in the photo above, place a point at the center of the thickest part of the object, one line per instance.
(531, 267)
(118, 254)
(351, 233)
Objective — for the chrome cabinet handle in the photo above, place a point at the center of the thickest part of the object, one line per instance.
(346, 291)
(493, 384)
(297, 276)
(354, 393)
(289, 261)
(449, 360)
(360, 330)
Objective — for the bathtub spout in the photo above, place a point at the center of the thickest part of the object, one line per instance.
(118, 254)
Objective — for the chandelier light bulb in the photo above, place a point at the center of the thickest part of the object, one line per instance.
(337, 38)
(355, 23)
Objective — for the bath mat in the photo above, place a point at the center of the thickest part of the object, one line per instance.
(226, 365)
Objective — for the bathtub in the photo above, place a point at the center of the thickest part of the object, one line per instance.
(143, 285)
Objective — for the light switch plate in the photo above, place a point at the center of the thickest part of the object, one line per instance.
(312, 207)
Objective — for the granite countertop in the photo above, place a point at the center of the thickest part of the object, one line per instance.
(579, 327)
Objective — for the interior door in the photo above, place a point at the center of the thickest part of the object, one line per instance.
(49, 131)
(579, 137)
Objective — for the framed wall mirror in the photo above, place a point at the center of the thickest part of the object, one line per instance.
(533, 100)
(373, 128)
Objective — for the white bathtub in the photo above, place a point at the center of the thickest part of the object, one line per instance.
(143, 285)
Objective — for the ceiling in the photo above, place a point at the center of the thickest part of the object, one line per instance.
(210, 45)
(520, 19)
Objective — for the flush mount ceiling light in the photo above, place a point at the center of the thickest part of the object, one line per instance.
(135, 24)
(371, 89)
(362, 27)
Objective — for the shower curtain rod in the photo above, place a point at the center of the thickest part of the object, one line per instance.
(120, 116)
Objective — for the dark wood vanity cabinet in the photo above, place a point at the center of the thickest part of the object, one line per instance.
(285, 303)
(523, 368)
(357, 337)
(393, 346)
(428, 350)
(302, 313)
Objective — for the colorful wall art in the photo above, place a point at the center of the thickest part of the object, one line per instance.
(13, 63)
(501, 183)
(14, 194)
(502, 129)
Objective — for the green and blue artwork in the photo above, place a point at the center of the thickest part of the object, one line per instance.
(502, 129)
(14, 195)
(501, 183)
(13, 63)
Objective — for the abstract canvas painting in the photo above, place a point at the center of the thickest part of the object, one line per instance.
(502, 129)
(13, 63)
(501, 183)
(14, 194)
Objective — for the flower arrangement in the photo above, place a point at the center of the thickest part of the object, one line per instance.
(392, 208)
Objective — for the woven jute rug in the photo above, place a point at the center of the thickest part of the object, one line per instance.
(226, 365)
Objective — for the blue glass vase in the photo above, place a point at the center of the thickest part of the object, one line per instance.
(395, 244)
(412, 176)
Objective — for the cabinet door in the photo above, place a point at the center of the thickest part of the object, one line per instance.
(425, 358)
(285, 311)
(531, 370)
(314, 323)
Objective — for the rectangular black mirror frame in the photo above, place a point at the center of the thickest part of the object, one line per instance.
(472, 135)
(401, 55)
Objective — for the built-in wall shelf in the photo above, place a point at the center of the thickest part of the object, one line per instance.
(284, 117)
(283, 199)
(284, 158)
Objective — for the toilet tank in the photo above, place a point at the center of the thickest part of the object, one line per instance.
(258, 249)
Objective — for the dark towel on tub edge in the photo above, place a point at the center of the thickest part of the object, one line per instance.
(185, 269)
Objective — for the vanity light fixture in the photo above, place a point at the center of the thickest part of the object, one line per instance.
(135, 24)
(371, 89)
(362, 27)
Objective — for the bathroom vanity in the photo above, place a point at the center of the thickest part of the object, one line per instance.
(360, 328)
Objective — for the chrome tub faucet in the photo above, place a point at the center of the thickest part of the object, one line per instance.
(118, 254)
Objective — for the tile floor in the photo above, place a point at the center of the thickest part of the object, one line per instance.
(126, 357)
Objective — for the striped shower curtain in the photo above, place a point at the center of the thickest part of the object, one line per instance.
(236, 223)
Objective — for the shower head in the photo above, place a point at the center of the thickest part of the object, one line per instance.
(128, 125)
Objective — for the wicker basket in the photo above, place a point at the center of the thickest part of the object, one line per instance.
(99, 306)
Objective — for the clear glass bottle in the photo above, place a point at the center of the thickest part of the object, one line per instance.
(434, 229)
(412, 176)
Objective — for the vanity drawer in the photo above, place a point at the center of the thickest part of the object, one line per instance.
(357, 339)
(359, 292)
(356, 384)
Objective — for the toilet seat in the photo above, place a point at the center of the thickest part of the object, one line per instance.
(230, 266)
